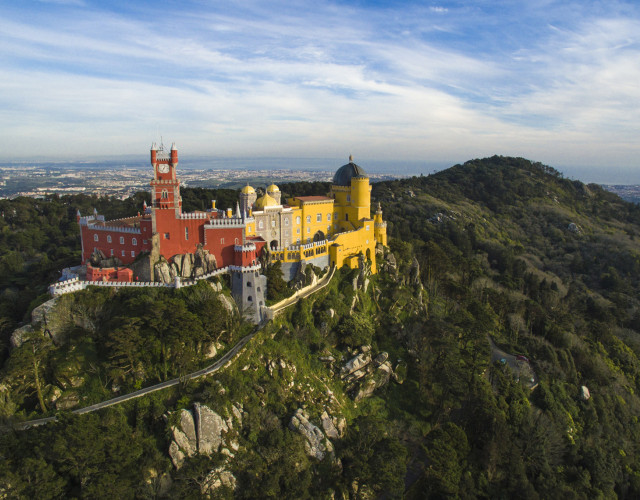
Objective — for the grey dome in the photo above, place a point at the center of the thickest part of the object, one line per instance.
(346, 172)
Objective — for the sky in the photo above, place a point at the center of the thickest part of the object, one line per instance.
(387, 81)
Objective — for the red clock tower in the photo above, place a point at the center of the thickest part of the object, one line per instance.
(166, 187)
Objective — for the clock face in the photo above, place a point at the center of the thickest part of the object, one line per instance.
(163, 168)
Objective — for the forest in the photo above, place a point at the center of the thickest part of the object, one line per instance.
(498, 250)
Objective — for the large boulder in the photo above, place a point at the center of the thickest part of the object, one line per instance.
(184, 443)
(187, 265)
(162, 272)
(316, 444)
(210, 429)
(210, 261)
(20, 335)
(356, 363)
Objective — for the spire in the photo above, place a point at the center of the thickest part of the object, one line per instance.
(95, 212)
(350, 158)
(144, 205)
(78, 213)
(379, 211)
(237, 210)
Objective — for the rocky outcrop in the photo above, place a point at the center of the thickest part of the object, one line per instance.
(215, 479)
(585, 395)
(414, 273)
(184, 443)
(162, 272)
(186, 265)
(328, 426)
(210, 428)
(355, 364)
(20, 335)
(362, 375)
(316, 444)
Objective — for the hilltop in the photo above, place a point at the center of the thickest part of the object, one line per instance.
(379, 384)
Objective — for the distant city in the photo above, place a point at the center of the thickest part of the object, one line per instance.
(121, 180)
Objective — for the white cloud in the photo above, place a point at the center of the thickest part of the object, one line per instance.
(330, 80)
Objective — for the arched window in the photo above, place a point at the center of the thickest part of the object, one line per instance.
(108, 238)
(122, 240)
(298, 219)
(134, 242)
(249, 299)
(346, 216)
(248, 284)
(95, 237)
(165, 194)
(308, 218)
(186, 233)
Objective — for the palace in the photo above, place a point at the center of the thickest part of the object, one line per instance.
(163, 242)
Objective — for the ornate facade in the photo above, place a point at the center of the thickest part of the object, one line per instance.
(334, 229)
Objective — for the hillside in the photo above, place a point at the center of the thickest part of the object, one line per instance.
(377, 385)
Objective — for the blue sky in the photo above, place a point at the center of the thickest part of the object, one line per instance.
(440, 82)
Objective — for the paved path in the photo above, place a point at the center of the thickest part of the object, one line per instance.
(222, 362)
(324, 281)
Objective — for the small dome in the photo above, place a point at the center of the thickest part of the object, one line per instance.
(265, 201)
(247, 190)
(273, 189)
(346, 172)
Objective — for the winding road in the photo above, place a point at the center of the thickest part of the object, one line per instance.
(222, 362)
(225, 360)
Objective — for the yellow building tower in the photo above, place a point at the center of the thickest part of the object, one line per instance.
(380, 227)
(352, 192)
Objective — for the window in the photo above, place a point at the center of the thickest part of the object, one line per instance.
(166, 236)
(111, 252)
(249, 299)
(298, 231)
(248, 284)
(318, 217)
(367, 227)
(222, 241)
(298, 219)
(308, 230)
(95, 237)
(122, 240)
(123, 253)
(108, 238)
(335, 216)
(144, 242)
(348, 198)
(257, 289)
(261, 225)
(133, 254)
(273, 223)
(308, 218)
(134, 242)
(346, 216)
(237, 241)
(328, 216)
(165, 194)
(249, 228)
(186, 233)
(286, 221)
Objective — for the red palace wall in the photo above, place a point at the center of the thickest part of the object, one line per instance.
(89, 243)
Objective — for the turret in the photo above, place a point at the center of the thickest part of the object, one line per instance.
(379, 227)
(174, 154)
(154, 153)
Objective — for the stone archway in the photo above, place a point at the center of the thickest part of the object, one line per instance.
(319, 236)
(273, 245)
